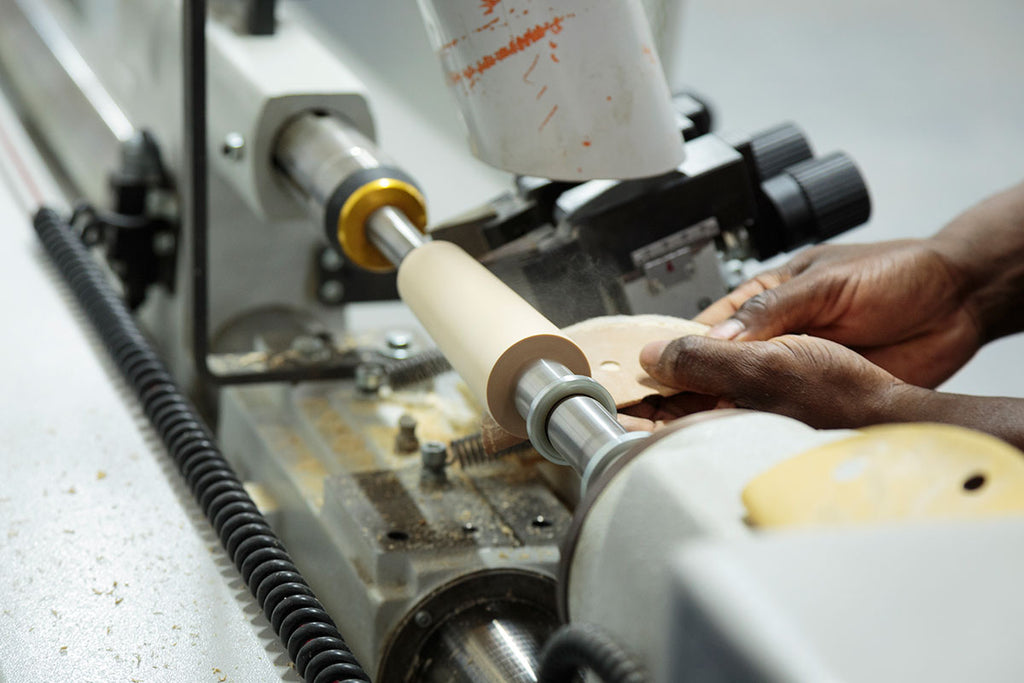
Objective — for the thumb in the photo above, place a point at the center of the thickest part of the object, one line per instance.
(706, 366)
(793, 306)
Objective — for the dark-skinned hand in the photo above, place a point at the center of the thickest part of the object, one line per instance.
(902, 305)
(913, 311)
(813, 380)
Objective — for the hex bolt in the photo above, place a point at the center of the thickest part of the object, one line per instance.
(434, 459)
(369, 377)
(405, 439)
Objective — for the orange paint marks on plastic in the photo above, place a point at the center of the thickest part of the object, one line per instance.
(650, 54)
(608, 98)
(554, 57)
(450, 44)
(553, 44)
(489, 25)
(488, 6)
(542, 90)
(515, 45)
(547, 118)
(533, 65)
(586, 143)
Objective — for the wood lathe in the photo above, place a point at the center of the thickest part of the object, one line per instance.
(234, 195)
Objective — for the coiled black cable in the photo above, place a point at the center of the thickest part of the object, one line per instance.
(577, 647)
(310, 636)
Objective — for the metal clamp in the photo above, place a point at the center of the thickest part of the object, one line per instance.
(548, 397)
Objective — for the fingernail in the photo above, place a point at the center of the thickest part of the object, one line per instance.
(727, 329)
(651, 354)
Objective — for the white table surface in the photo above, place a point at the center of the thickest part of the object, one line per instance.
(109, 571)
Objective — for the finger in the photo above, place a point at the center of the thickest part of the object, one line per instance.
(685, 403)
(651, 353)
(646, 409)
(707, 366)
(662, 408)
(724, 308)
(819, 382)
(797, 306)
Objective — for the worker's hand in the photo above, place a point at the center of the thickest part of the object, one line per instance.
(813, 380)
(902, 305)
(655, 411)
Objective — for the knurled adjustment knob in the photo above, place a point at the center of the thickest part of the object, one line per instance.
(778, 148)
(835, 191)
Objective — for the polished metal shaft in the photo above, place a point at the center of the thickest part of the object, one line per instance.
(390, 231)
(534, 379)
(484, 648)
(319, 152)
(579, 428)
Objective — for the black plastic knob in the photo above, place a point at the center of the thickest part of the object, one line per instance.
(777, 148)
(809, 202)
(836, 192)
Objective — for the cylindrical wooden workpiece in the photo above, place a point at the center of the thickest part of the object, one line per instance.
(487, 331)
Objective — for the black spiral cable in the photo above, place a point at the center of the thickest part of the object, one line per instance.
(579, 647)
(297, 616)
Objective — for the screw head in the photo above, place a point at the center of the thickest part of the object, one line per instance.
(423, 619)
(234, 146)
(397, 344)
(331, 260)
(331, 292)
(398, 340)
(369, 377)
(164, 243)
